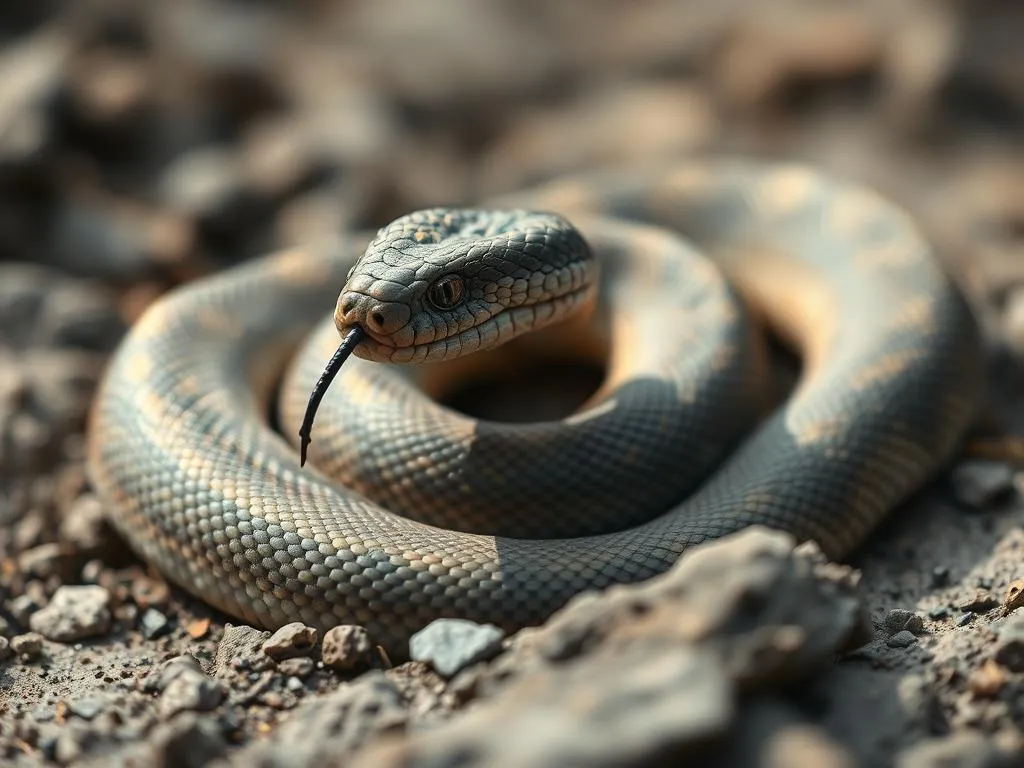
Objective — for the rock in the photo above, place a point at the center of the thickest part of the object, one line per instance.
(74, 613)
(979, 602)
(337, 724)
(965, 749)
(981, 484)
(902, 639)
(640, 708)
(240, 646)
(899, 619)
(187, 741)
(189, 690)
(300, 667)
(28, 645)
(346, 647)
(1009, 651)
(450, 645)
(295, 639)
(940, 576)
(154, 624)
(6, 652)
(86, 708)
(653, 673)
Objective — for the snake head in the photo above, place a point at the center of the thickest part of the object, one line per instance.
(440, 283)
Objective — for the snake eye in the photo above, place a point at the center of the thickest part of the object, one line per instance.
(446, 292)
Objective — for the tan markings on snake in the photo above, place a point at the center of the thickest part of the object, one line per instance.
(890, 366)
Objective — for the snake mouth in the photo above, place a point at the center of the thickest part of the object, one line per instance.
(496, 330)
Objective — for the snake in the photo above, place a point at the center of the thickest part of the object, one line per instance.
(668, 278)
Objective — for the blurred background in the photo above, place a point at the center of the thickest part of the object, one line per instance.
(143, 144)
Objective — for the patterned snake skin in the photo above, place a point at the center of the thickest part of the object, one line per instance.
(199, 483)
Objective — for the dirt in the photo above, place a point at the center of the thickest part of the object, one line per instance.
(147, 145)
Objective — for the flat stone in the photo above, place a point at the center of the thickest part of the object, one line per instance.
(450, 645)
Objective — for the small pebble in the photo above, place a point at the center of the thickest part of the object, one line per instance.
(940, 576)
(300, 667)
(979, 602)
(154, 624)
(982, 484)
(190, 690)
(964, 619)
(86, 708)
(294, 684)
(902, 639)
(899, 619)
(6, 652)
(74, 613)
(346, 647)
(28, 645)
(295, 639)
(450, 645)
(938, 613)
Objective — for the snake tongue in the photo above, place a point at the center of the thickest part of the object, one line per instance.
(348, 344)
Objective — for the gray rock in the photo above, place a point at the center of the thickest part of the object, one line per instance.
(899, 619)
(6, 652)
(450, 645)
(981, 484)
(86, 708)
(295, 639)
(902, 639)
(658, 672)
(74, 613)
(189, 690)
(642, 707)
(346, 647)
(154, 623)
(300, 667)
(328, 729)
(240, 647)
(187, 741)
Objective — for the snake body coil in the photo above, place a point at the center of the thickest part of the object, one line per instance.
(199, 484)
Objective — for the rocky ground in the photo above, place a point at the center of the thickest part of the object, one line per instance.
(144, 145)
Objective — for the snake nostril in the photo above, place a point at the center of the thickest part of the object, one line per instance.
(377, 318)
(348, 305)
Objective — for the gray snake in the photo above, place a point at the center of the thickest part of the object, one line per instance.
(504, 523)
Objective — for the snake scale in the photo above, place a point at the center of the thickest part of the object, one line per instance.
(196, 478)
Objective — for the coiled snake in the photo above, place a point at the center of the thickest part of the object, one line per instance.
(503, 523)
